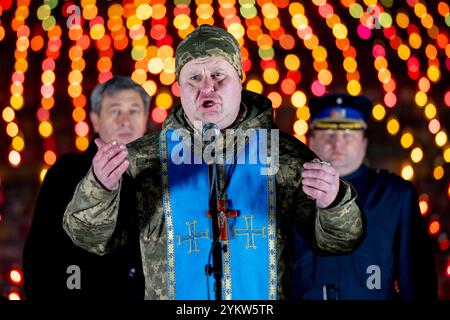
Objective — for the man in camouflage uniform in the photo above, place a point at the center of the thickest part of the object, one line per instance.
(307, 194)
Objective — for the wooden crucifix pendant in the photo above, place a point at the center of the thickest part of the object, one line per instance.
(223, 215)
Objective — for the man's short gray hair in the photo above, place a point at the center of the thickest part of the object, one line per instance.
(112, 86)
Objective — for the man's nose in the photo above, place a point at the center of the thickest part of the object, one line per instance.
(207, 84)
(339, 140)
(124, 118)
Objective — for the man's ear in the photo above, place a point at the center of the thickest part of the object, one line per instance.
(95, 121)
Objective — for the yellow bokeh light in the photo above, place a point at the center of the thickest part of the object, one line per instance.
(421, 98)
(416, 155)
(18, 143)
(16, 102)
(303, 113)
(276, 99)
(164, 100)
(407, 172)
(182, 21)
(21, 65)
(319, 2)
(81, 143)
(271, 75)
(319, 53)
(431, 52)
(144, 11)
(139, 75)
(407, 140)
(446, 154)
(152, 52)
(165, 52)
(292, 62)
(75, 77)
(12, 129)
(300, 127)
(138, 53)
(22, 43)
(312, 42)
(420, 10)
(14, 158)
(141, 40)
(438, 173)
(115, 10)
(402, 20)
(8, 114)
(48, 76)
(74, 90)
(169, 65)
(393, 126)
(150, 87)
(427, 21)
(384, 75)
(298, 99)
(299, 21)
(423, 205)
(340, 31)
(254, 85)
(45, 129)
(167, 78)
(97, 31)
(441, 138)
(159, 11)
(269, 10)
(354, 87)
(90, 11)
(378, 112)
(296, 8)
(404, 52)
(370, 3)
(430, 111)
(237, 30)
(415, 40)
(155, 65)
(204, 11)
(209, 21)
(350, 64)
(42, 174)
(265, 42)
(272, 24)
(133, 22)
(325, 77)
(433, 73)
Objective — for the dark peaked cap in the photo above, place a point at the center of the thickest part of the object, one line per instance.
(339, 111)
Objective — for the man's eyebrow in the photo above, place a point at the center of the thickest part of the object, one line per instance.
(114, 104)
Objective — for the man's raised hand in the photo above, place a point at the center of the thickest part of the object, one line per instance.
(109, 163)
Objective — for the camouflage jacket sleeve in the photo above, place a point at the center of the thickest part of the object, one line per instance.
(91, 216)
(334, 230)
(339, 228)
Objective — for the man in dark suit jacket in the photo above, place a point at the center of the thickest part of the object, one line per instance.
(55, 268)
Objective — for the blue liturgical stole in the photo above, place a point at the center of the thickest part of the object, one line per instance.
(249, 261)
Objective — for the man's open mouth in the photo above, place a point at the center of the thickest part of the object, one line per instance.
(208, 103)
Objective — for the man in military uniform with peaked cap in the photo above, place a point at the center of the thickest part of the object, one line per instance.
(395, 260)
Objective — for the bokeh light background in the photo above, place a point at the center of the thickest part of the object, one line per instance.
(52, 54)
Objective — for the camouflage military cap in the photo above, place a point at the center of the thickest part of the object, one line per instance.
(208, 40)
